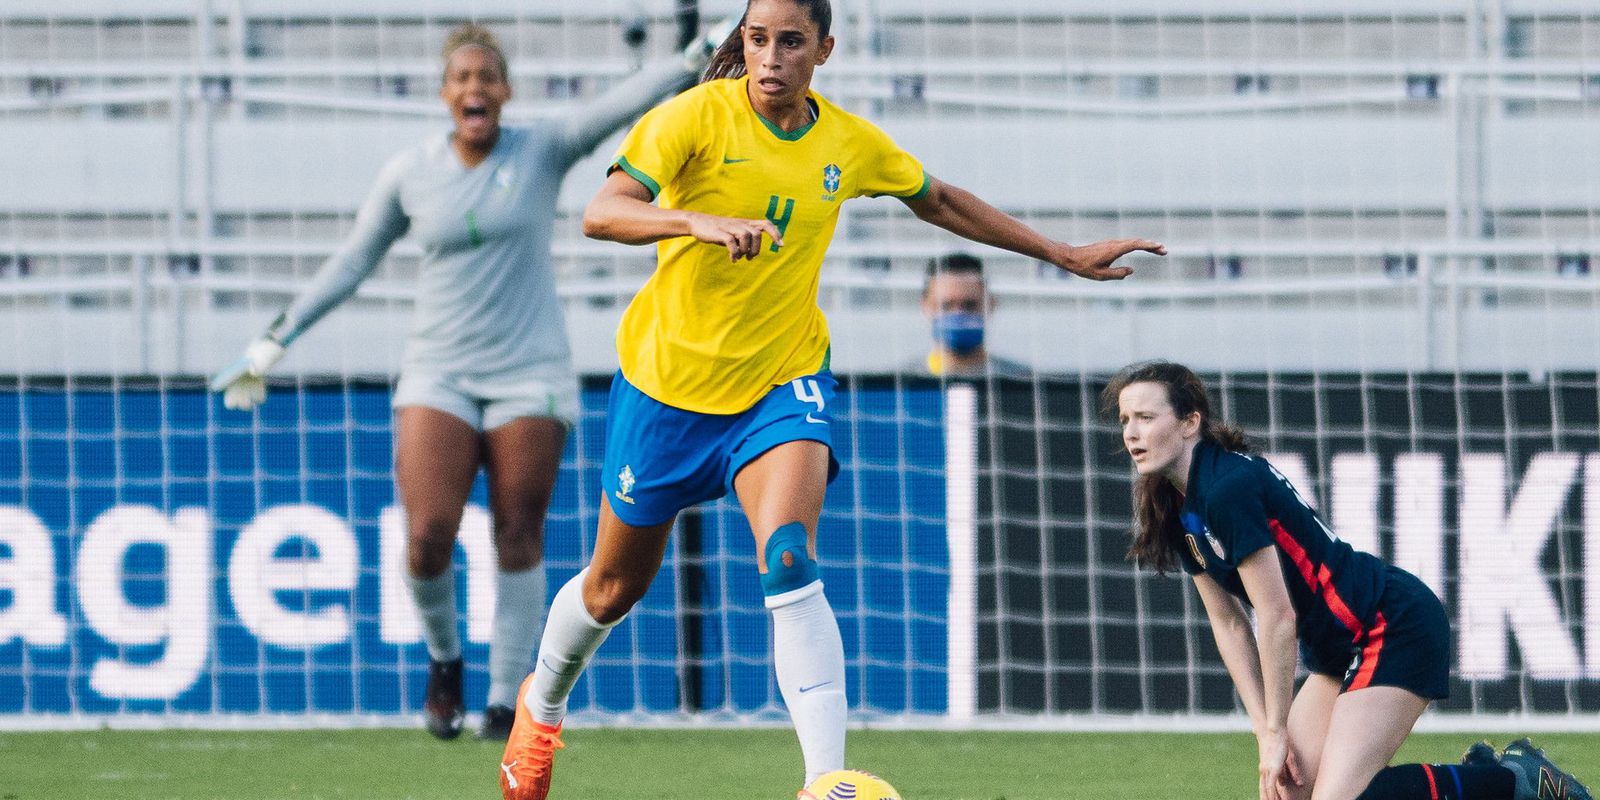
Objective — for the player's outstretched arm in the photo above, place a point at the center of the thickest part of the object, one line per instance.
(379, 223)
(624, 102)
(634, 95)
(621, 212)
(968, 216)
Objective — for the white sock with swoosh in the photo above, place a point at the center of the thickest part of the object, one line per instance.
(808, 656)
(570, 638)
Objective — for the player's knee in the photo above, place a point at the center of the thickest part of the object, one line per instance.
(610, 598)
(1397, 783)
(429, 551)
(518, 544)
(789, 564)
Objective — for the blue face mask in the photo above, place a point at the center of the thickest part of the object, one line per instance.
(959, 331)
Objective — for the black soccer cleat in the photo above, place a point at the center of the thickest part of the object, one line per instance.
(443, 710)
(1480, 754)
(1537, 778)
(497, 723)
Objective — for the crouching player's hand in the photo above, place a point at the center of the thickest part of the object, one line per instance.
(1278, 770)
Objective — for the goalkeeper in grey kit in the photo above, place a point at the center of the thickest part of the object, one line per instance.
(487, 377)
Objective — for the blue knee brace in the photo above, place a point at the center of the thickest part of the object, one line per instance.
(789, 567)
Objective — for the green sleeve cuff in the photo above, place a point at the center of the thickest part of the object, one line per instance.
(636, 174)
(921, 192)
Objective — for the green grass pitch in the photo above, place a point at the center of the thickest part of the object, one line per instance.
(623, 764)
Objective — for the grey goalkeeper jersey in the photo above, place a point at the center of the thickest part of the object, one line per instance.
(486, 301)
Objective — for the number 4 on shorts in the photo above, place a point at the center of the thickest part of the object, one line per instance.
(806, 390)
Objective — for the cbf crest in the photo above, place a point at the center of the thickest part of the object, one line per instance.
(625, 481)
(830, 178)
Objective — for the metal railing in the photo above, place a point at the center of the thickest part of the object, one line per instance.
(1447, 272)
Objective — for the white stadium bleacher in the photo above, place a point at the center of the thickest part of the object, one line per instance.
(1316, 144)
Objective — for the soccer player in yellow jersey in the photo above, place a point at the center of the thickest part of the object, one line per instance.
(724, 382)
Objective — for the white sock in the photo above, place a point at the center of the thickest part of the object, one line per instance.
(808, 656)
(518, 614)
(436, 609)
(571, 636)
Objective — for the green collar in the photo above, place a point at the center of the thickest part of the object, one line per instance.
(787, 136)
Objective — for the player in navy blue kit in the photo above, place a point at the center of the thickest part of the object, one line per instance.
(1375, 639)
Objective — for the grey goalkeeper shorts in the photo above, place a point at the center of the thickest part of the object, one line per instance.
(486, 404)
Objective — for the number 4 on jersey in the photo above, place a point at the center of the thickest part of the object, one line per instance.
(781, 221)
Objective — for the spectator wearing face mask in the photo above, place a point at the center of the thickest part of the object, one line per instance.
(957, 303)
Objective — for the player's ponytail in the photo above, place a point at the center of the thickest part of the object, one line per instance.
(1158, 533)
(728, 60)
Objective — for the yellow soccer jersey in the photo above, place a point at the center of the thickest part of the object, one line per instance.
(711, 335)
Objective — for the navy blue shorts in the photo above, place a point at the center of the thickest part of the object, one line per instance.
(1407, 645)
(661, 459)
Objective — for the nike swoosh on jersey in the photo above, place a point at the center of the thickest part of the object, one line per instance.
(727, 160)
(805, 689)
(814, 420)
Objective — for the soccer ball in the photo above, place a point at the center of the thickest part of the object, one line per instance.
(849, 784)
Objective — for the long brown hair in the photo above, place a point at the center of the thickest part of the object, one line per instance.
(728, 60)
(1158, 533)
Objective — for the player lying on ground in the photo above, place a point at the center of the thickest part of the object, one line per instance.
(724, 383)
(487, 377)
(1375, 638)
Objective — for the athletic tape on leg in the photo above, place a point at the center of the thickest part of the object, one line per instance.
(789, 567)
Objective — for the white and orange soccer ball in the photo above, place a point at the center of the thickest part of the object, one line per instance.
(849, 784)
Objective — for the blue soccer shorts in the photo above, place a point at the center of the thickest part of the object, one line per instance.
(661, 459)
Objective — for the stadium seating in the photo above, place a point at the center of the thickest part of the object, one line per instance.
(1296, 145)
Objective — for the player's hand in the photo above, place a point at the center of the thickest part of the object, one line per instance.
(1291, 776)
(742, 237)
(1277, 769)
(1094, 261)
(243, 384)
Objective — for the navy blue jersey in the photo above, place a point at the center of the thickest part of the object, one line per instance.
(1238, 504)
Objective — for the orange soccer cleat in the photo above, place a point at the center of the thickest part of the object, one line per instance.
(525, 767)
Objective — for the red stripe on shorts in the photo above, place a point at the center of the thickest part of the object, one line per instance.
(1369, 660)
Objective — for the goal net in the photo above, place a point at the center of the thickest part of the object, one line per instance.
(1382, 219)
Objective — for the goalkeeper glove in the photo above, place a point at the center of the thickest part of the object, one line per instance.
(243, 383)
